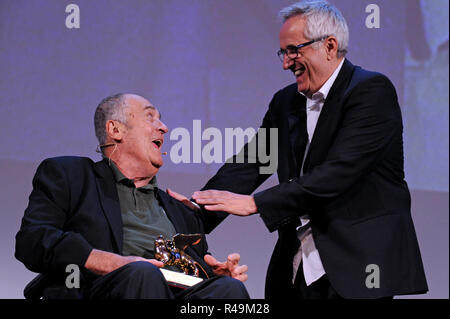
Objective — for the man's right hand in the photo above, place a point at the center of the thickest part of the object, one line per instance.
(103, 262)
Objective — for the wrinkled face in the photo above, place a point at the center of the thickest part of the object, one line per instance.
(310, 67)
(144, 135)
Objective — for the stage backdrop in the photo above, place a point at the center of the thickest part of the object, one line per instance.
(212, 61)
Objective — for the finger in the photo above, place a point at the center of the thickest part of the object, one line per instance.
(240, 270)
(176, 195)
(211, 197)
(155, 262)
(217, 207)
(208, 194)
(242, 277)
(208, 200)
(210, 260)
(132, 259)
(182, 199)
(234, 258)
(200, 194)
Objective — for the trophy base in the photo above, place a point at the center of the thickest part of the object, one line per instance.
(179, 280)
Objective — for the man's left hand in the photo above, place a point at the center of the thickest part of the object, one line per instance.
(228, 268)
(183, 199)
(236, 204)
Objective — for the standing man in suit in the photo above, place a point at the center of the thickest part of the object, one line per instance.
(104, 217)
(342, 206)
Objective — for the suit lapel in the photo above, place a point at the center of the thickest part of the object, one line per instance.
(329, 117)
(172, 211)
(295, 122)
(110, 201)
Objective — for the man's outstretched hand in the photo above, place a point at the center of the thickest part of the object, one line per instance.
(230, 267)
(236, 204)
(214, 200)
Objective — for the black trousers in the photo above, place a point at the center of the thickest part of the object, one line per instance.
(320, 289)
(142, 280)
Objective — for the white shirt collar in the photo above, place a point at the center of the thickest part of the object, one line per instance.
(322, 93)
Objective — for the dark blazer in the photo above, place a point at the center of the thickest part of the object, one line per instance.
(73, 208)
(353, 189)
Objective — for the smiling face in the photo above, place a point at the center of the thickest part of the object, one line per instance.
(143, 135)
(313, 66)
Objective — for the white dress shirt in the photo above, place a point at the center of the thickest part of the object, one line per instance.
(312, 264)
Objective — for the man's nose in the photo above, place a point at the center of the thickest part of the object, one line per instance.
(162, 127)
(287, 62)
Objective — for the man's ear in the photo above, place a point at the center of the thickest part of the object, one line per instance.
(115, 130)
(331, 46)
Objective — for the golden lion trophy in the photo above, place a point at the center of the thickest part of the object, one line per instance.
(171, 253)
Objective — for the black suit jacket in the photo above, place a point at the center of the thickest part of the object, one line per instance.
(353, 189)
(74, 208)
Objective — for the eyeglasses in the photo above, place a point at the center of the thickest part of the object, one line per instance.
(293, 51)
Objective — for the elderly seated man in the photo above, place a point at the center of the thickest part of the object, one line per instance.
(104, 217)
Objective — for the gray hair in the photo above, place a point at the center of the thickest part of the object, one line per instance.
(110, 108)
(322, 19)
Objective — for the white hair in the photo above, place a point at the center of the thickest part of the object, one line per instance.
(110, 108)
(322, 19)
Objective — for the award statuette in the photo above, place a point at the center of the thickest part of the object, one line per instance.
(171, 253)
